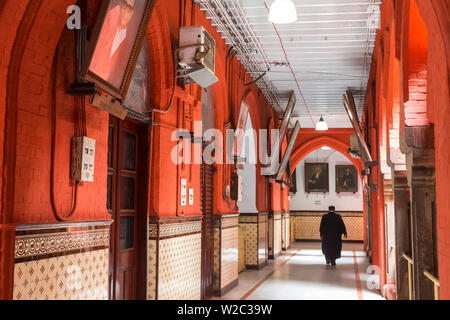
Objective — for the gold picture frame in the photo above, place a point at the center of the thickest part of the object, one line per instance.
(317, 181)
(115, 44)
(346, 179)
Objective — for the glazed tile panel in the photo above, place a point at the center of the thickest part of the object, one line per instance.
(283, 232)
(174, 260)
(62, 265)
(262, 241)
(270, 235)
(288, 230)
(151, 270)
(251, 243)
(180, 268)
(307, 227)
(82, 276)
(241, 265)
(217, 257)
(277, 235)
(230, 255)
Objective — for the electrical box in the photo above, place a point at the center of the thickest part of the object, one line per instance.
(83, 159)
(200, 71)
(355, 149)
(236, 187)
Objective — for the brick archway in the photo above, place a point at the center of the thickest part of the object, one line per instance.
(323, 141)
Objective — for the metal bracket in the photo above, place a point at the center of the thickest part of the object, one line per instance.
(82, 89)
(183, 74)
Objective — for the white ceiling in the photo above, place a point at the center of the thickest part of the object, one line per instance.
(326, 48)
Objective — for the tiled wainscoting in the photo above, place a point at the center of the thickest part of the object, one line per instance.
(285, 231)
(226, 253)
(66, 261)
(275, 231)
(241, 248)
(255, 224)
(307, 225)
(174, 258)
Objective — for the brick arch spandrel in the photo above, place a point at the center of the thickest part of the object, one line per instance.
(309, 146)
(160, 57)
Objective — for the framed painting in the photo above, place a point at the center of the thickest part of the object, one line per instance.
(317, 177)
(346, 179)
(115, 44)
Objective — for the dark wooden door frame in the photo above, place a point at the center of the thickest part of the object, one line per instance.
(207, 265)
(141, 198)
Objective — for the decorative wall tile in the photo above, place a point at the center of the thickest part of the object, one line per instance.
(262, 240)
(179, 270)
(277, 236)
(217, 257)
(288, 230)
(79, 276)
(248, 219)
(43, 244)
(251, 244)
(173, 229)
(241, 265)
(229, 263)
(151, 270)
(174, 260)
(307, 227)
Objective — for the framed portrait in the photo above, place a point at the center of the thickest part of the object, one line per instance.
(317, 177)
(115, 44)
(346, 179)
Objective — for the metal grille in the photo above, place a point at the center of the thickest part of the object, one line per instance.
(230, 20)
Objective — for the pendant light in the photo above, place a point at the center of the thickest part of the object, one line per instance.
(321, 125)
(283, 11)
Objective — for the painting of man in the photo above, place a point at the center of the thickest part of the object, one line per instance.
(116, 40)
(316, 177)
(346, 179)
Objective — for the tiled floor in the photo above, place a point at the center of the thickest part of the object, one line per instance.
(301, 274)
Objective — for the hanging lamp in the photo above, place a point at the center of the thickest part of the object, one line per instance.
(282, 11)
(321, 125)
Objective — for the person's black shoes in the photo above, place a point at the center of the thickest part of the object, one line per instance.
(333, 263)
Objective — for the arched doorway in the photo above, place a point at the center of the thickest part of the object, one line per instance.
(326, 177)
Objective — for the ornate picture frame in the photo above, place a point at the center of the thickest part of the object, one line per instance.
(317, 178)
(115, 44)
(346, 179)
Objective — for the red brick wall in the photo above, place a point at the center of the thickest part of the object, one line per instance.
(421, 38)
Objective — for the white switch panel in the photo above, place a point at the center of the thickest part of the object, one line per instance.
(183, 192)
(83, 159)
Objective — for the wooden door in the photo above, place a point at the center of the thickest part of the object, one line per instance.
(207, 173)
(127, 180)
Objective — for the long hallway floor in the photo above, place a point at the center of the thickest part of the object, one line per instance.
(301, 274)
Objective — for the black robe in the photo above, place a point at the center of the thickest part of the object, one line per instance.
(331, 230)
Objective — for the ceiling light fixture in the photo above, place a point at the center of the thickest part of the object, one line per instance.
(282, 11)
(321, 125)
(325, 148)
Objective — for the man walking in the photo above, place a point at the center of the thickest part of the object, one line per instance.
(332, 228)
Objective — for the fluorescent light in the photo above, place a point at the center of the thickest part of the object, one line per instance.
(282, 11)
(326, 148)
(321, 125)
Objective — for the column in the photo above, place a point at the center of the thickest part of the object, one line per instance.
(421, 178)
(402, 231)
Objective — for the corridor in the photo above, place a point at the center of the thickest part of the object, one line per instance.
(201, 149)
(301, 274)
